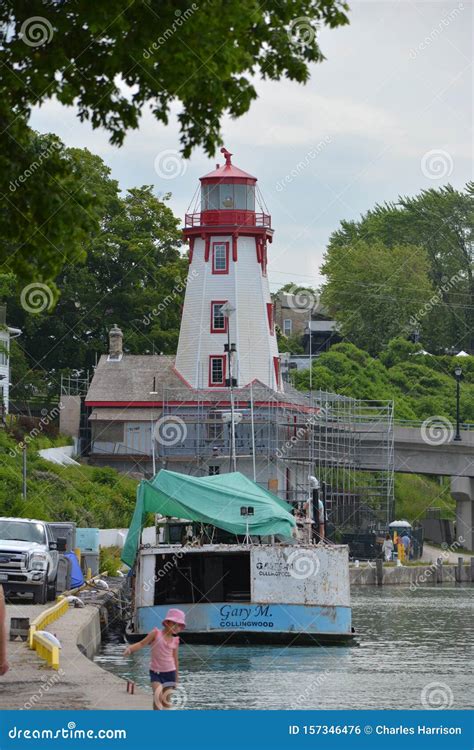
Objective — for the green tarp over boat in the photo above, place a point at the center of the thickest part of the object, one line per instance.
(215, 500)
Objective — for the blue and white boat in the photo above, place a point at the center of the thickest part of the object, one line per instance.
(268, 593)
(230, 554)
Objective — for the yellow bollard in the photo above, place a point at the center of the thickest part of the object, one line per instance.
(77, 552)
(89, 574)
(401, 552)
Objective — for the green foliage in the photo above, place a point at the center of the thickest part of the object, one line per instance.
(109, 560)
(290, 344)
(374, 291)
(133, 276)
(109, 60)
(88, 496)
(430, 237)
(413, 494)
(421, 386)
(48, 210)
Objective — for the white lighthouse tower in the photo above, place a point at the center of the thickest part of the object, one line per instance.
(227, 304)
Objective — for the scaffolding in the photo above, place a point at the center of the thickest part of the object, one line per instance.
(74, 385)
(347, 443)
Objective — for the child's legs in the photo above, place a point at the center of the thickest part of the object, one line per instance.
(166, 695)
(157, 688)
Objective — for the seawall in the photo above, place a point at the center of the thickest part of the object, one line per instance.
(411, 575)
(79, 683)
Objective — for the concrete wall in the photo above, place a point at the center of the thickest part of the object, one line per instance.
(116, 537)
(415, 455)
(89, 636)
(413, 575)
(70, 415)
(438, 530)
(462, 489)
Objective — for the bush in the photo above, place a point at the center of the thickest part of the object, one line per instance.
(421, 386)
(109, 560)
(100, 498)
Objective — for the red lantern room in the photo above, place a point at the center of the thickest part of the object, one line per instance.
(228, 197)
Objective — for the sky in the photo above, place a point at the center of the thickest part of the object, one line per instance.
(388, 113)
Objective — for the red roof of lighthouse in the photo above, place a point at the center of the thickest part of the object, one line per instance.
(228, 170)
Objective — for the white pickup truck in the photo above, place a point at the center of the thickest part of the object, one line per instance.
(29, 558)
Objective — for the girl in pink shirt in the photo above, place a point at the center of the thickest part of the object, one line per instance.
(164, 662)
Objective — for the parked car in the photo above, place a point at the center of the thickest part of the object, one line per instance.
(29, 556)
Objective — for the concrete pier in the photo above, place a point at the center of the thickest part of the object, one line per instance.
(369, 574)
(79, 683)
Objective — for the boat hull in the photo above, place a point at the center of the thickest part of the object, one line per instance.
(245, 622)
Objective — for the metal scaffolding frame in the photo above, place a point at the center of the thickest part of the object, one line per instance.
(348, 444)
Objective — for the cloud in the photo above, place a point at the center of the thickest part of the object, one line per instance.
(290, 115)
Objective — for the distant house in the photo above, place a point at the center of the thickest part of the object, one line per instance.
(294, 320)
(6, 334)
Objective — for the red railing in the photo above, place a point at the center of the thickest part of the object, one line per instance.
(228, 217)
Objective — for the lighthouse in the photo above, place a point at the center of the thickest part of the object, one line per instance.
(227, 333)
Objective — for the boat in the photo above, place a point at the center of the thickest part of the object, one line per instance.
(228, 553)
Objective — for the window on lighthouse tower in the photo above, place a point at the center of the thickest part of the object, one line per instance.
(220, 257)
(218, 319)
(217, 369)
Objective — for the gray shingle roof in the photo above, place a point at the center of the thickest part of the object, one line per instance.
(130, 380)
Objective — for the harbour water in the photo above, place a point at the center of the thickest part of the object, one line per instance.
(414, 650)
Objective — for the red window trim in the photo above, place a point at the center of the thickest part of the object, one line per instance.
(219, 271)
(270, 316)
(226, 320)
(276, 365)
(223, 358)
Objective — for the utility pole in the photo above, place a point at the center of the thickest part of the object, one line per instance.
(228, 311)
(24, 471)
(458, 376)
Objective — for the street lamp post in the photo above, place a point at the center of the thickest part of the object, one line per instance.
(458, 376)
(230, 349)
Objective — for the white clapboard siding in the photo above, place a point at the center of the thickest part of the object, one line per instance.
(248, 292)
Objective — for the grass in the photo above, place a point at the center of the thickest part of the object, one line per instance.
(86, 495)
(415, 493)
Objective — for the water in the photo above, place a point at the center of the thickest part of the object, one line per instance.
(413, 650)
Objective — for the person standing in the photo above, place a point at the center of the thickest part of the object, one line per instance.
(387, 548)
(164, 664)
(3, 635)
(406, 541)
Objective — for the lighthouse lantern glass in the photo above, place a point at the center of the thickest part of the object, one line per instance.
(228, 196)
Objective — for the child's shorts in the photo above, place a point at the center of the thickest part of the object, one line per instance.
(168, 679)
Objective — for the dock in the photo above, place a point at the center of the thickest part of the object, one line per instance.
(79, 683)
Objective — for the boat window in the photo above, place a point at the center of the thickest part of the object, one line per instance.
(202, 577)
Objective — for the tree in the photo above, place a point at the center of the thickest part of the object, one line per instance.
(290, 344)
(109, 58)
(441, 223)
(421, 386)
(374, 291)
(48, 211)
(133, 276)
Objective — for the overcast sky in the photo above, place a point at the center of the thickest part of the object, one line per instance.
(389, 112)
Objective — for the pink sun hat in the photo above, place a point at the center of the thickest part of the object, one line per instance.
(177, 616)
